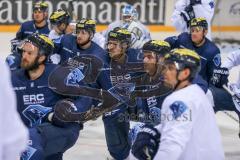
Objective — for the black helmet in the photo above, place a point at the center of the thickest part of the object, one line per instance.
(86, 24)
(60, 16)
(41, 6)
(184, 58)
(202, 22)
(120, 34)
(158, 46)
(44, 44)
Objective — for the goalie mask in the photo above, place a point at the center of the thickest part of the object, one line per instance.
(129, 13)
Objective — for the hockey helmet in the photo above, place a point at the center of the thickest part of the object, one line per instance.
(184, 58)
(44, 44)
(129, 10)
(199, 22)
(158, 46)
(86, 24)
(120, 34)
(40, 6)
(60, 16)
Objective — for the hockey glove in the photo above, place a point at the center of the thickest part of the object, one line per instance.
(194, 2)
(220, 77)
(146, 143)
(188, 14)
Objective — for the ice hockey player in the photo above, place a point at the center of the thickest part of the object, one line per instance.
(148, 109)
(122, 56)
(60, 20)
(188, 129)
(14, 134)
(82, 43)
(196, 40)
(220, 78)
(129, 20)
(49, 137)
(39, 24)
(186, 10)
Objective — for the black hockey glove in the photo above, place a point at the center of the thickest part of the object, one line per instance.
(188, 14)
(146, 144)
(194, 2)
(220, 77)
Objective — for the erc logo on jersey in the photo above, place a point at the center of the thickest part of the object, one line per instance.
(33, 99)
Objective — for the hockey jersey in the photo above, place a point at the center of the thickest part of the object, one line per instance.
(209, 53)
(29, 27)
(188, 128)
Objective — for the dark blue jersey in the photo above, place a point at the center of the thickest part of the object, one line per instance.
(123, 72)
(33, 92)
(69, 49)
(29, 27)
(209, 53)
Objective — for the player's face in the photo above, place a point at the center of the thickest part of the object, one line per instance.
(30, 56)
(150, 62)
(38, 16)
(127, 18)
(83, 37)
(170, 74)
(114, 48)
(197, 34)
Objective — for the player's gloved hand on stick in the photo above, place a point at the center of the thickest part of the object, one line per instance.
(188, 14)
(220, 77)
(146, 143)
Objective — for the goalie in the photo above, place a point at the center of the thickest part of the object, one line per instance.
(129, 20)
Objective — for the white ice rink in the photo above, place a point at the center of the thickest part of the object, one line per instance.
(91, 143)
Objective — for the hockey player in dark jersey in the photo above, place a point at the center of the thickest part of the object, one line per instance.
(39, 25)
(197, 41)
(116, 131)
(49, 137)
(81, 43)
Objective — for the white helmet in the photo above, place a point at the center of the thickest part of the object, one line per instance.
(129, 13)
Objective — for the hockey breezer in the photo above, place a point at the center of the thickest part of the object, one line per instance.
(74, 78)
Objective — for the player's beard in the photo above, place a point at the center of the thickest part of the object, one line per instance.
(83, 43)
(30, 66)
(150, 68)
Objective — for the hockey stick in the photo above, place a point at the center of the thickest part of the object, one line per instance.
(68, 79)
(233, 95)
(71, 10)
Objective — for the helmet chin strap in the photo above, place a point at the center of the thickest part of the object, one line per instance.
(179, 82)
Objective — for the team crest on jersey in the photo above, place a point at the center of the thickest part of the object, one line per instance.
(74, 77)
(10, 60)
(27, 154)
(122, 91)
(35, 114)
(178, 108)
(211, 4)
(217, 60)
